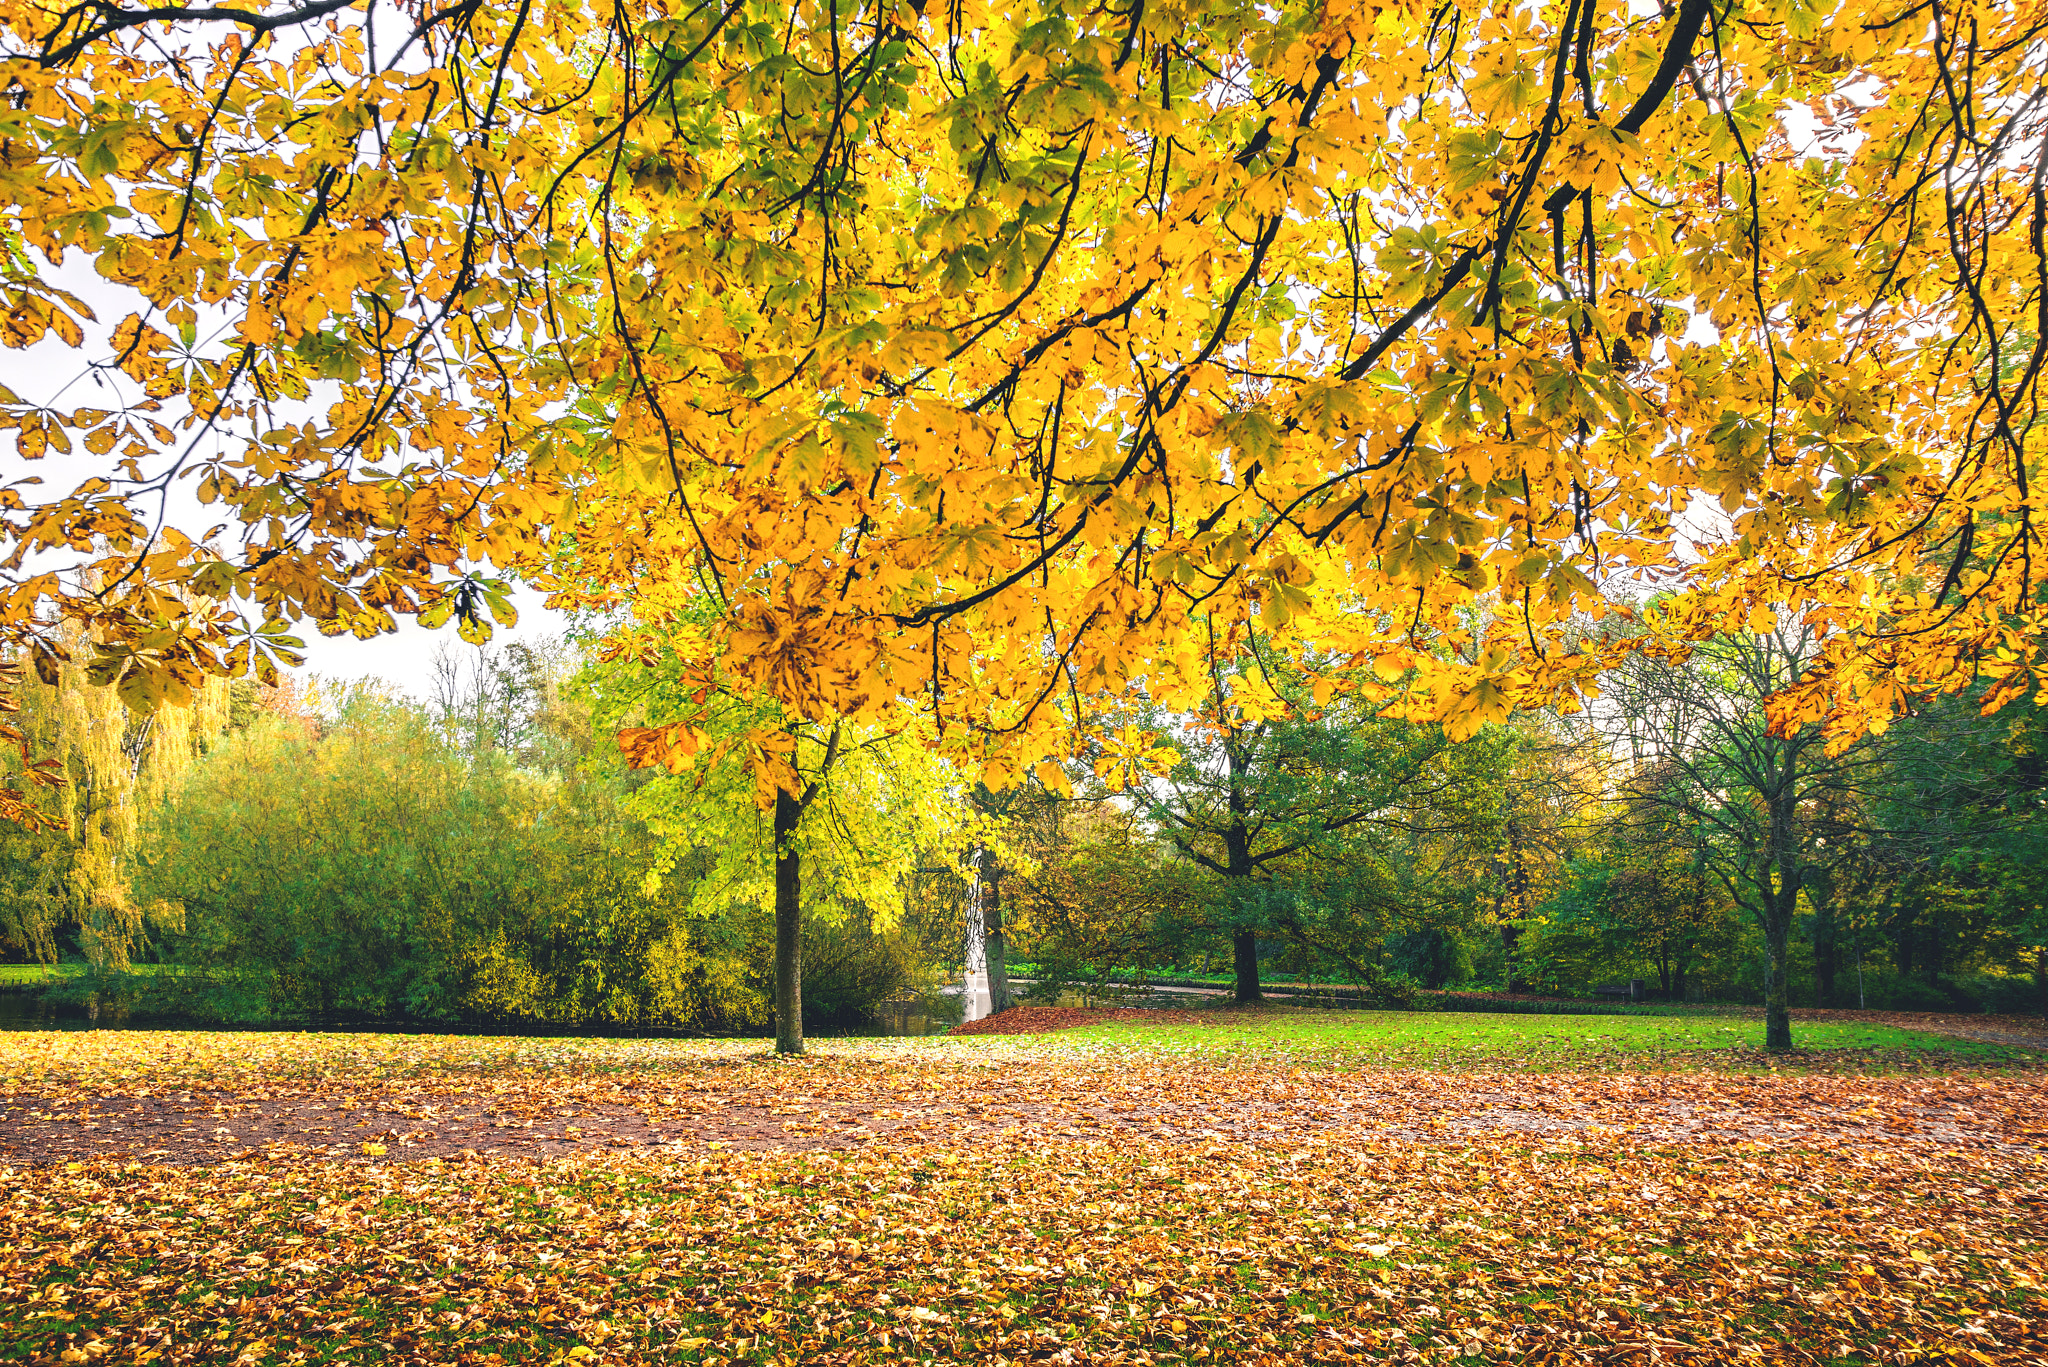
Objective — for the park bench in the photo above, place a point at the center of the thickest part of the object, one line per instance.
(1632, 989)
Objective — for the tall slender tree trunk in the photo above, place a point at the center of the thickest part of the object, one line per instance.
(789, 927)
(998, 946)
(1244, 942)
(1237, 849)
(1781, 876)
(1905, 935)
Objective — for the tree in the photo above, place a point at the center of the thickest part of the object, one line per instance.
(1946, 858)
(1096, 887)
(1269, 779)
(1666, 909)
(1509, 810)
(504, 701)
(356, 858)
(1708, 760)
(344, 866)
(68, 869)
(817, 820)
(974, 354)
(992, 857)
(1660, 900)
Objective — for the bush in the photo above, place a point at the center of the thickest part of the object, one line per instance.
(364, 869)
(1999, 994)
(1397, 992)
(851, 969)
(1893, 993)
(1431, 955)
(1887, 991)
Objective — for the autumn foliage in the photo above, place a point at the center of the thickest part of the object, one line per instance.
(988, 357)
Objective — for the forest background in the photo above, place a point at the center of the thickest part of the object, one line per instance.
(323, 851)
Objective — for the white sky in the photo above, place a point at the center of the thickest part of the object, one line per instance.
(404, 658)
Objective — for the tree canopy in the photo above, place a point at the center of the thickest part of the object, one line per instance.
(977, 355)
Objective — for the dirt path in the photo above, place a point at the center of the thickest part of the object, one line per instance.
(541, 1117)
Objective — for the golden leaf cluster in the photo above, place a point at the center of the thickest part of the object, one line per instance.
(980, 357)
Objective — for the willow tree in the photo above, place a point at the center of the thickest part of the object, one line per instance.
(976, 355)
(114, 768)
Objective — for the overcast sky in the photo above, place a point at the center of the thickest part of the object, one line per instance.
(404, 658)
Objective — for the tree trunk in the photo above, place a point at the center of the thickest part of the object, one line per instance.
(998, 948)
(2041, 980)
(1905, 936)
(789, 926)
(1782, 874)
(1777, 1001)
(1245, 944)
(1237, 849)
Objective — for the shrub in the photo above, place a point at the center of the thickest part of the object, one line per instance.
(2001, 995)
(1430, 955)
(1397, 992)
(850, 969)
(1887, 991)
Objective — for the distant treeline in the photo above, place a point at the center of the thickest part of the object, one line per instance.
(485, 855)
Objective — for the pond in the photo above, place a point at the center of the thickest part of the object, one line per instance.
(30, 1011)
(927, 1015)
(933, 1015)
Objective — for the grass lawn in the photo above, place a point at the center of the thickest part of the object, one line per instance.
(1460, 1039)
(34, 975)
(1244, 1191)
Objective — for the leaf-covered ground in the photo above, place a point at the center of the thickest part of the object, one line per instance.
(1048, 1199)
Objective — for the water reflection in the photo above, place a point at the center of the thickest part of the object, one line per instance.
(931, 1013)
(36, 1011)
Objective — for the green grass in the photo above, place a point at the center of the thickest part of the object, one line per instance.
(35, 975)
(40, 975)
(1396, 1039)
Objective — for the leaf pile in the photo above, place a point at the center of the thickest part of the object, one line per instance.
(1158, 1252)
(975, 1201)
(203, 1098)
